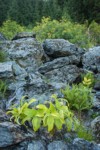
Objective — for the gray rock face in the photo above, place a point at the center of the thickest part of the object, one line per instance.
(95, 124)
(3, 116)
(24, 35)
(6, 70)
(63, 75)
(97, 84)
(27, 52)
(58, 63)
(36, 145)
(57, 145)
(81, 144)
(33, 78)
(78, 144)
(91, 59)
(96, 101)
(11, 134)
(60, 48)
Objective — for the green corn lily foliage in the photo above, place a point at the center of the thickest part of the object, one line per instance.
(54, 116)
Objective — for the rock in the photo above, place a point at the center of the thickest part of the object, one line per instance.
(60, 48)
(24, 35)
(31, 85)
(98, 95)
(36, 86)
(97, 83)
(36, 145)
(12, 134)
(96, 101)
(2, 104)
(19, 146)
(27, 56)
(6, 70)
(63, 75)
(27, 52)
(58, 63)
(3, 116)
(2, 38)
(95, 124)
(58, 145)
(91, 59)
(81, 144)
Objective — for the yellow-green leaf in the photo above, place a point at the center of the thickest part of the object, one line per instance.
(50, 123)
(36, 122)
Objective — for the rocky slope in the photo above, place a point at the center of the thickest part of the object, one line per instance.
(39, 70)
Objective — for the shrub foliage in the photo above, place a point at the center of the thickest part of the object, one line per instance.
(76, 33)
(10, 28)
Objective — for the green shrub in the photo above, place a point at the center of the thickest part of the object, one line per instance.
(65, 29)
(79, 97)
(94, 33)
(10, 28)
(54, 116)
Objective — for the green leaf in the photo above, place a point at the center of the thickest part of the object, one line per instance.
(50, 123)
(31, 101)
(41, 106)
(25, 119)
(58, 124)
(36, 122)
(29, 112)
(42, 109)
(52, 108)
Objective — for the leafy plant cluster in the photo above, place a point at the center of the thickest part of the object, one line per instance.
(10, 28)
(80, 34)
(52, 117)
(79, 97)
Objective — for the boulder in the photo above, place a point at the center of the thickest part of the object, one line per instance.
(63, 75)
(97, 83)
(6, 70)
(58, 145)
(60, 48)
(91, 59)
(3, 116)
(58, 63)
(11, 134)
(81, 144)
(24, 35)
(96, 101)
(95, 124)
(36, 145)
(27, 52)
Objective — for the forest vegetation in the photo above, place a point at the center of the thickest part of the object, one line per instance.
(76, 21)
